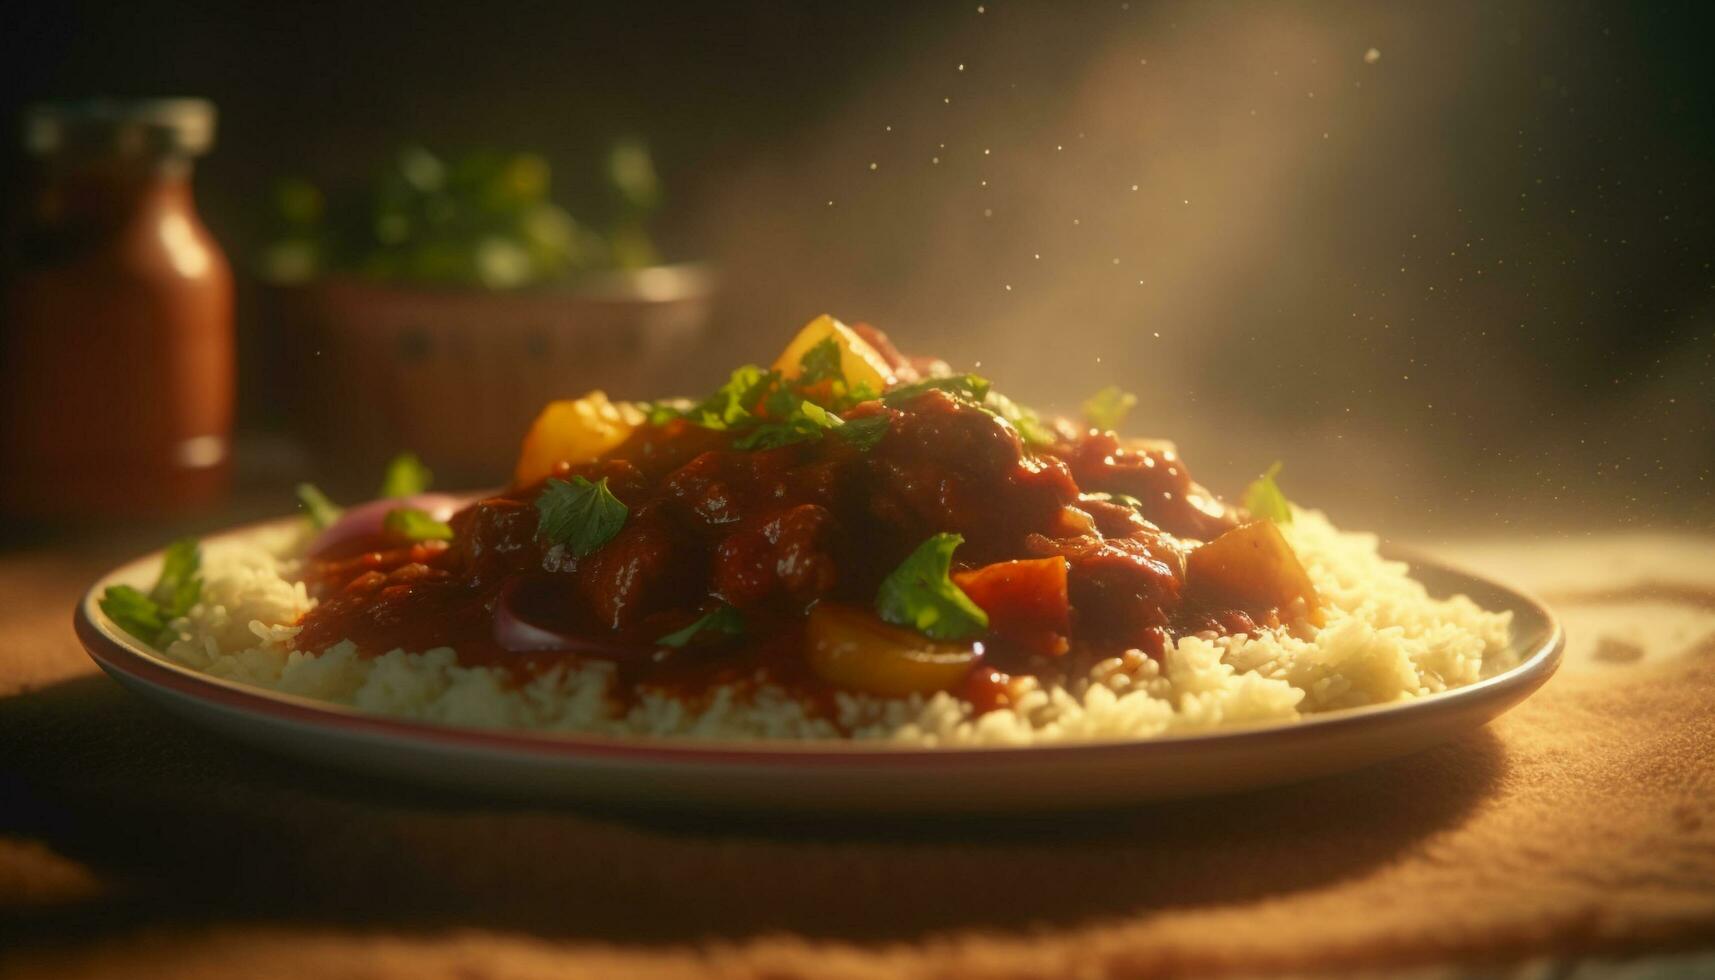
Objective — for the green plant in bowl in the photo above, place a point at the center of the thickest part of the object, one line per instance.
(485, 218)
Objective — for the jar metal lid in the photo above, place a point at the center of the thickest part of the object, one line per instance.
(122, 127)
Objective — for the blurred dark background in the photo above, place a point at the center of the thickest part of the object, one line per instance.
(1451, 263)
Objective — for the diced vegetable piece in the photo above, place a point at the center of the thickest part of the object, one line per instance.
(854, 650)
(1250, 567)
(573, 431)
(861, 364)
(1026, 600)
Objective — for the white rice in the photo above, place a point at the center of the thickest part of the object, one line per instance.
(1385, 640)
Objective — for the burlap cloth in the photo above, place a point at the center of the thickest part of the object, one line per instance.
(134, 845)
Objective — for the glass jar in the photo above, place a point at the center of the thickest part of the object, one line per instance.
(116, 351)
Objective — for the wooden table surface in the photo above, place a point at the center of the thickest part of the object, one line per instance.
(134, 845)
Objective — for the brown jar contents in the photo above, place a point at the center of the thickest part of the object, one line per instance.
(116, 357)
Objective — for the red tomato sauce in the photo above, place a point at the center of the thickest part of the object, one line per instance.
(1078, 549)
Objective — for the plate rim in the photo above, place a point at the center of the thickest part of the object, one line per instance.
(122, 655)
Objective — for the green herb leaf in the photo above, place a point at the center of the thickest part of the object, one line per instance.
(781, 404)
(135, 613)
(799, 421)
(821, 363)
(1264, 499)
(179, 586)
(971, 387)
(1029, 425)
(320, 509)
(920, 594)
(725, 621)
(147, 615)
(666, 410)
(857, 395)
(863, 434)
(818, 416)
(734, 402)
(1107, 409)
(406, 476)
(579, 514)
(1034, 431)
(743, 390)
(416, 525)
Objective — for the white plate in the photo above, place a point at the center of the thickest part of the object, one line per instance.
(819, 776)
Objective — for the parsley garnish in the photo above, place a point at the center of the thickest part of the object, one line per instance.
(666, 410)
(920, 594)
(416, 525)
(864, 433)
(822, 375)
(725, 621)
(821, 363)
(179, 586)
(579, 514)
(1030, 427)
(316, 504)
(780, 404)
(734, 402)
(767, 411)
(147, 617)
(857, 395)
(1107, 408)
(135, 613)
(800, 421)
(818, 416)
(1264, 499)
(406, 476)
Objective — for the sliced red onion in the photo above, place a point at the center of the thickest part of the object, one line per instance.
(365, 520)
(516, 631)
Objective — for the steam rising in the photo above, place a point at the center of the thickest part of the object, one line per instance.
(1286, 245)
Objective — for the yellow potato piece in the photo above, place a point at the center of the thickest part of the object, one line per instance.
(1250, 567)
(859, 362)
(852, 649)
(575, 430)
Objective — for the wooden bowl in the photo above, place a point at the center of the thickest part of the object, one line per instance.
(457, 374)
